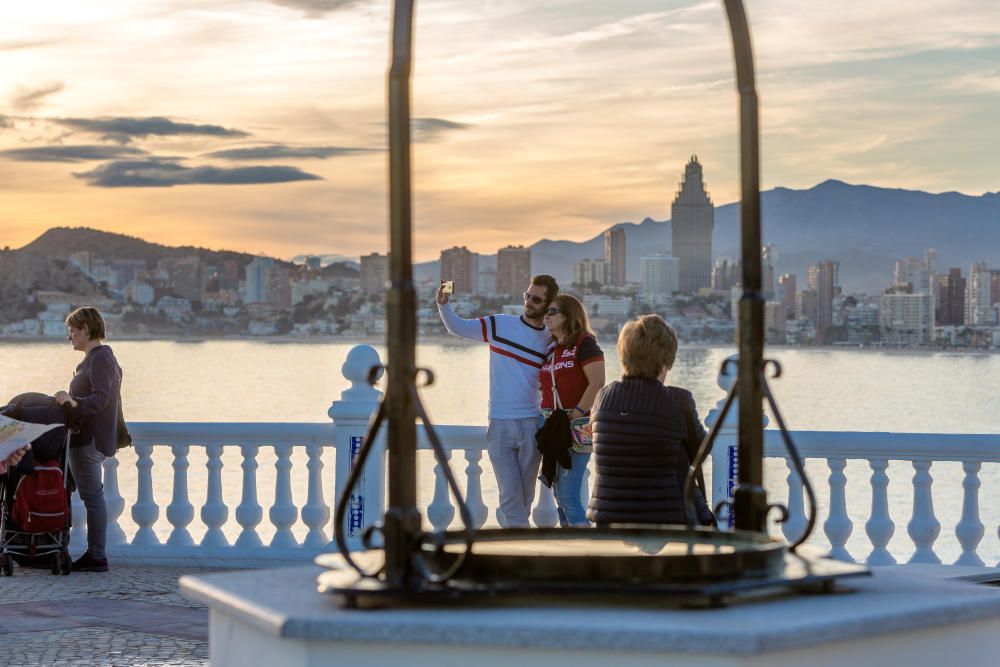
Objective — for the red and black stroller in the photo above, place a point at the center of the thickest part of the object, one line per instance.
(35, 512)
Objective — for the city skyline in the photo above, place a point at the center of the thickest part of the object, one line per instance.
(555, 120)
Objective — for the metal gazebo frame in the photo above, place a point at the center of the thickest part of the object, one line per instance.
(413, 564)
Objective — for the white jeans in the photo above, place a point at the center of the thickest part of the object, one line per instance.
(515, 458)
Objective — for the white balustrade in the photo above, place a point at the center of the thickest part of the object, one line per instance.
(838, 525)
(879, 526)
(214, 512)
(283, 513)
(180, 511)
(969, 529)
(473, 487)
(795, 525)
(440, 512)
(114, 501)
(545, 514)
(350, 416)
(315, 512)
(924, 526)
(249, 512)
(145, 511)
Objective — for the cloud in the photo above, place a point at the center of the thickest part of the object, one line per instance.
(317, 8)
(124, 129)
(17, 44)
(163, 174)
(70, 153)
(281, 151)
(29, 100)
(431, 129)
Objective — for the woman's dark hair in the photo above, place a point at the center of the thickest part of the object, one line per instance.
(549, 283)
(577, 322)
(91, 317)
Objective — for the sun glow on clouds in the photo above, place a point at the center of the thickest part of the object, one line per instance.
(552, 119)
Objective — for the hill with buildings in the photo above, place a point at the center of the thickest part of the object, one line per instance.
(863, 227)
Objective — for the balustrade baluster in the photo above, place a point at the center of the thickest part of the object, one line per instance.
(315, 512)
(283, 513)
(180, 511)
(970, 530)
(924, 526)
(214, 512)
(78, 533)
(545, 514)
(441, 511)
(473, 487)
(795, 525)
(145, 512)
(114, 501)
(838, 525)
(249, 512)
(880, 526)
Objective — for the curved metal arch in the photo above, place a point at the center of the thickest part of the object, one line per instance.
(402, 521)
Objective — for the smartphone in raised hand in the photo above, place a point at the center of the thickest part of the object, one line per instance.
(447, 287)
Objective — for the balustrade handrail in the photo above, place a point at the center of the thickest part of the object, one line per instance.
(979, 447)
(983, 448)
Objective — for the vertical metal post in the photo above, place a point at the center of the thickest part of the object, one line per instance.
(750, 501)
(402, 521)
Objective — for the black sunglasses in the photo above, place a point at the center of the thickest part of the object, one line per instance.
(553, 311)
(533, 299)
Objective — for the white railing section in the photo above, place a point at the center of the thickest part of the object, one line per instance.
(298, 533)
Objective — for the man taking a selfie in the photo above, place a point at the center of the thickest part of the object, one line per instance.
(518, 345)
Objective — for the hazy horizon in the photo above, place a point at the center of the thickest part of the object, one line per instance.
(258, 126)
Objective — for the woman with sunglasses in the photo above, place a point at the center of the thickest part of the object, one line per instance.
(572, 375)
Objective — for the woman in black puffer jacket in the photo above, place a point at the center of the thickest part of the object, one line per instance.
(640, 429)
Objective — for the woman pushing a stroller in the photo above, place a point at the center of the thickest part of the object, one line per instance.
(95, 394)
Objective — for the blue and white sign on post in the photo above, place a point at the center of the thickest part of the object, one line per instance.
(356, 504)
(733, 460)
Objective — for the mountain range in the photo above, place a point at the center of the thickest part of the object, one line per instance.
(863, 227)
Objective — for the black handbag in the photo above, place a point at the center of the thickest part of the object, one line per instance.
(554, 439)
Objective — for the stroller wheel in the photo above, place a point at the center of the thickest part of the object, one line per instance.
(56, 559)
(6, 565)
(65, 562)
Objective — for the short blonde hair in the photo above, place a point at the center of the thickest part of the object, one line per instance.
(647, 345)
(91, 317)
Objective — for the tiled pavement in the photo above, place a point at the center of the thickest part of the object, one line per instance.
(129, 616)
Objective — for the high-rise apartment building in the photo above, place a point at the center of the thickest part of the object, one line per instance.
(374, 273)
(905, 318)
(255, 286)
(614, 255)
(513, 269)
(823, 278)
(660, 277)
(587, 272)
(692, 217)
(979, 310)
(786, 293)
(807, 306)
(459, 264)
(769, 262)
(951, 298)
(726, 274)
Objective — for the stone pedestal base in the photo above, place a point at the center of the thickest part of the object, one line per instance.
(894, 617)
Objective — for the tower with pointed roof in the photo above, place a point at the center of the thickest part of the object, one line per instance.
(692, 217)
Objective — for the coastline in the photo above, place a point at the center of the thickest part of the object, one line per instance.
(448, 339)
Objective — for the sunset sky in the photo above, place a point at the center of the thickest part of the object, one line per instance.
(259, 125)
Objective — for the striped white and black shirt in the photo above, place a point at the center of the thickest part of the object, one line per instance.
(517, 352)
